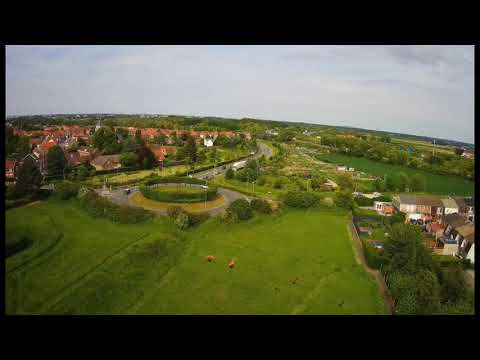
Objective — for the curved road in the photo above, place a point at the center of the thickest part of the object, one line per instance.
(118, 195)
(219, 170)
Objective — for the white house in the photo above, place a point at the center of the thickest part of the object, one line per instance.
(450, 206)
(471, 254)
(208, 141)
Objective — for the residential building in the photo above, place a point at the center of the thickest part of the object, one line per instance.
(162, 151)
(106, 162)
(10, 169)
(469, 208)
(208, 141)
(418, 207)
(239, 165)
(450, 206)
(384, 208)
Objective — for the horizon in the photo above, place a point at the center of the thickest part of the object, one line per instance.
(238, 119)
(429, 86)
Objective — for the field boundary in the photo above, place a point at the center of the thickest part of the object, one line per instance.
(377, 275)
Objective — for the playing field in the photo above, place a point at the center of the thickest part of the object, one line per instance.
(435, 184)
(301, 262)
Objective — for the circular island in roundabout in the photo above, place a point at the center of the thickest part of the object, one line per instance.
(191, 194)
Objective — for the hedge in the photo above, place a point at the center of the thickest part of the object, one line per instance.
(173, 179)
(97, 206)
(119, 170)
(301, 199)
(171, 195)
(66, 190)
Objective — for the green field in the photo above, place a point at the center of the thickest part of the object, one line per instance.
(435, 184)
(102, 268)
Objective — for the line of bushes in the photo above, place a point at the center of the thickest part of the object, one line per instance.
(184, 219)
(172, 179)
(301, 199)
(173, 195)
(97, 206)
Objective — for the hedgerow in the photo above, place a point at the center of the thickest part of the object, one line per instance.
(97, 206)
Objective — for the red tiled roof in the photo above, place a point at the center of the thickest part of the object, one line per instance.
(9, 165)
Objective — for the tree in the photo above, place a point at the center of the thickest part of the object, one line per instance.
(345, 181)
(286, 136)
(191, 149)
(104, 138)
(81, 142)
(28, 180)
(344, 199)
(417, 182)
(146, 158)
(129, 159)
(317, 181)
(56, 162)
(454, 287)
(402, 181)
(161, 139)
(230, 174)
(138, 137)
(241, 208)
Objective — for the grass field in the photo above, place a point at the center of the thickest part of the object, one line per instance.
(152, 268)
(435, 184)
(139, 200)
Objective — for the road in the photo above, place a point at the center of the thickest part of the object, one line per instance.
(219, 170)
(119, 197)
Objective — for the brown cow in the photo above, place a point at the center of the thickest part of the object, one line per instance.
(211, 258)
(231, 264)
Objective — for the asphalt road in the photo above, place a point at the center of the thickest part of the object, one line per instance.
(219, 170)
(118, 195)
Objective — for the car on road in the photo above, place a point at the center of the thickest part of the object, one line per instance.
(224, 167)
(252, 153)
(127, 191)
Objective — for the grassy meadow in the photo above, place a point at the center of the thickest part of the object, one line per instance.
(98, 267)
(435, 184)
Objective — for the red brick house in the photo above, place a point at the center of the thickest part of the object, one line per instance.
(10, 169)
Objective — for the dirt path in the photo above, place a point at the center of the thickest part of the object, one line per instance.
(360, 256)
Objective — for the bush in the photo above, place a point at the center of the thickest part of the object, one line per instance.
(363, 201)
(66, 190)
(374, 257)
(278, 184)
(173, 211)
(196, 219)
(97, 206)
(241, 208)
(344, 200)
(230, 174)
(261, 181)
(182, 220)
(261, 206)
(173, 195)
(301, 199)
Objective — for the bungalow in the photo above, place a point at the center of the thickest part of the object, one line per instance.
(329, 185)
(161, 152)
(106, 162)
(10, 169)
(86, 153)
(341, 168)
(436, 229)
(384, 208)
(208, 141)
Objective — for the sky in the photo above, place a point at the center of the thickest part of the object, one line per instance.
(421, 90)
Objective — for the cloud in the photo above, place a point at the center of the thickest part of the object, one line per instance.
(412, 89)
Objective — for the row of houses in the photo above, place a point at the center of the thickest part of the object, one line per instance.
(454, 235)
(429, 208)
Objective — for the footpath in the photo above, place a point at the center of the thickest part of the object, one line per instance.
(358, 245)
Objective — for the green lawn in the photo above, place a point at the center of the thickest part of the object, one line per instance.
(152, 268)
(435, 184)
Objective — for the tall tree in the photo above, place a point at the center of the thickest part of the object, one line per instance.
(28, 180)
(146, 158)
(191, 149)
(56, 162)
